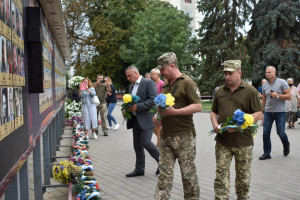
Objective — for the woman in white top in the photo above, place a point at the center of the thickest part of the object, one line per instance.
(291, 105)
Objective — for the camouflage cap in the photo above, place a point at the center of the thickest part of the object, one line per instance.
(166, 59)
(231, 65)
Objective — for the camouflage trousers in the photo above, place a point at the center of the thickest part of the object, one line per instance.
(243, 159)
(183, 148)
(103, 113)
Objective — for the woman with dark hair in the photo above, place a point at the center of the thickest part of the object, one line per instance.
(111, 101)
(88, 108)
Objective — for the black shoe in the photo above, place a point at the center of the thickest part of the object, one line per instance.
(264, 157)
(105, 134)
(286, 151)
(134, 173)
(157, 172)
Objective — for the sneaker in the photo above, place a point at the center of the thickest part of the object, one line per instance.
(116, 127)
(95, 135)
(110, 127)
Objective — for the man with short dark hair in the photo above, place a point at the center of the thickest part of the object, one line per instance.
(101, 87)
(178, 135)
(235, 94)
(274, 93)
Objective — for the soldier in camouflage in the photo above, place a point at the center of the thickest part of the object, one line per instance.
(178, 136)
(235, 94)
(101, 87)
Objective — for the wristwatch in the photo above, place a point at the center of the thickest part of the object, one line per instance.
(277, 96)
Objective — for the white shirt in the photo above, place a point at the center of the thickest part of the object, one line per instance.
(135, 89)
(136, 86)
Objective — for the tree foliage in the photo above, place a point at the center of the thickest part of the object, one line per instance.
(220, 33)
(160, 28)
(275, 35)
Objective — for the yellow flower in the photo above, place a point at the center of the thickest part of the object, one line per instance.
(248, 120)
(127, 98)
(170, 100)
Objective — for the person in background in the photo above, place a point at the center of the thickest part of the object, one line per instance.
(291, 105)
(88, 108)
(111, 101)
(101, 87)
(260, 96)
(274, 94)
(299, 94)
(155, 75)
(235, 94)
(147, 76)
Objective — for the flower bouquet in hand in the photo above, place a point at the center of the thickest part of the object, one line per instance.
(129, 100)
(239, 121)
(162, 101)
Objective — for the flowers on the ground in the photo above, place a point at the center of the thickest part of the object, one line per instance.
(239, 121)
(129, 100)
(162, 101)
(63, 170)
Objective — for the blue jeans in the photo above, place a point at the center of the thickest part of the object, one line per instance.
(110, 108)
(269, 118)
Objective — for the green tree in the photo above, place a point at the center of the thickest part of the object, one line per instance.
(219, 33)
(158, 29)
(110, 21)
(275, 35)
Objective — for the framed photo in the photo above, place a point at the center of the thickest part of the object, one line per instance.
(4, 105)
(3, 58)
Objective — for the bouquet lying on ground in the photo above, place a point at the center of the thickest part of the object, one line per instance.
(240, 121)
(129, 100)
(162, 101)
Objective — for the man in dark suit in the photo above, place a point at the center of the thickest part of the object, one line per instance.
(141, 121)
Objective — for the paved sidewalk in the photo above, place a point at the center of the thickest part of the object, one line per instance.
(113, 157)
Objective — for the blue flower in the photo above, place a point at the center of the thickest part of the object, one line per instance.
(239, 117)
(160, 100)
(135, 98)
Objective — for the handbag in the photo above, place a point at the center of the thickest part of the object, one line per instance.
(298, 114)
(96, 99)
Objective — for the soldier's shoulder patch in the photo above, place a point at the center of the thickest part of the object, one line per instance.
(197, 92)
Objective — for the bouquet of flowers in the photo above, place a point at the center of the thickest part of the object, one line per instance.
(63, 170)
(239, 121)
(162, 101)
(129, 100)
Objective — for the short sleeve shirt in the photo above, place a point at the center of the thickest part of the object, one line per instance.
(101, 92)
(245, 98)
(274, 104)
(185, 92)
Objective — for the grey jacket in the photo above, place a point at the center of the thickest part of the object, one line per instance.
(147, 91)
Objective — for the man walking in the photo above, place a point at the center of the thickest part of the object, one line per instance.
(102, 86)
(141, 120)
(274, 93)
(178, 135)
(234, 95)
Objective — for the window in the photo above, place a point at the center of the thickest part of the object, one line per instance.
(188, 1)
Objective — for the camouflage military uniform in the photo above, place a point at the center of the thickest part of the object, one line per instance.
(184, 148)
(243, 159)
(178, 137)
(101, 93)
(236, 144)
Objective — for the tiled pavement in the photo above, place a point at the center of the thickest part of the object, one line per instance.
(113, 157)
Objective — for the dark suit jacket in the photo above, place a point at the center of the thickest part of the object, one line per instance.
(147, 91)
